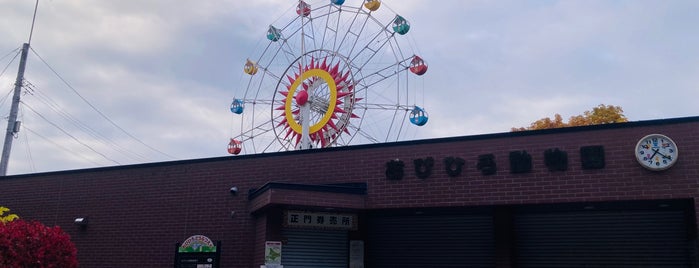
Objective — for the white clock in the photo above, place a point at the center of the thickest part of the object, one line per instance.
(656, 152)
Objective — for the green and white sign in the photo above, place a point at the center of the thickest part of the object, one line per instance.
(197, 243)
(273, 253)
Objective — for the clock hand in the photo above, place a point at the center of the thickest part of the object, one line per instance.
(655, 152)
(661, 154)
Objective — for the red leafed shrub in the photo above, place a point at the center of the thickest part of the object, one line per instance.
(34, 245)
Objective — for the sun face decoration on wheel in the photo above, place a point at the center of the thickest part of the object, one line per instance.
(320, 93)
(334, 75)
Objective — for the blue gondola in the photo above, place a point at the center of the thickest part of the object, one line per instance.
(418, 116)
(400, 25)
(337, 2)
(273, 34)
(237, 106)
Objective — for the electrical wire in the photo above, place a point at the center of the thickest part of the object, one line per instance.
(69, 135)
(2, 101)
(55, 107)
(57, 144)
(10, 53)
(32, 167)
(9, 63)
(97, 110)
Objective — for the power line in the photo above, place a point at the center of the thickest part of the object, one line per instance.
(2, 101)
(31, 89)
(69, 135)
(57, 144)
(16, 50)
(97, 110)
(9, 63)
(32, 167)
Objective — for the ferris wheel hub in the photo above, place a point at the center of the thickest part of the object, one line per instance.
(302, 97)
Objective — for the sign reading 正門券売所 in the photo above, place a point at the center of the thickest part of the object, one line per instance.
(320, 220)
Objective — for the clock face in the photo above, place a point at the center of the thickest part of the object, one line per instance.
(656, 152)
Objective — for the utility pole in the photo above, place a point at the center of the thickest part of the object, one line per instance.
(12, 123)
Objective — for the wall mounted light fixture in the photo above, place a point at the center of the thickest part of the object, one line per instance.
(82, 221)
(234, 190)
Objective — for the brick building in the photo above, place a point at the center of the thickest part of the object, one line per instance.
(572, 197)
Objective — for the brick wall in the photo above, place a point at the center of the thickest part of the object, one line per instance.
(137, 213)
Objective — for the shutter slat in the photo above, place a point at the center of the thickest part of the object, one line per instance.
(430, 241)
(602, 239)
(309, 248)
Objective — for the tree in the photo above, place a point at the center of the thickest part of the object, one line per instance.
(9, 217)
(602, 114)
(31, 244)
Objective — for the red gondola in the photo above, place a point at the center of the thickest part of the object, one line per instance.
(418, 66)
(303, 9)
(234, 146)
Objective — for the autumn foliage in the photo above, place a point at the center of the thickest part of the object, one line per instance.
(602, 114)
(31, 244)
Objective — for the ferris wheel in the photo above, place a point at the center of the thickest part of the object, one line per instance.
(332, 75)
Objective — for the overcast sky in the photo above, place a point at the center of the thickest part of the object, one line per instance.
(166, 71)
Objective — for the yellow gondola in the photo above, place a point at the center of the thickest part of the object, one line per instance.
(250, 67)
(372, 5)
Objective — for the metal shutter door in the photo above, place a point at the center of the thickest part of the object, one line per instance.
(306, 248)
(422, 241)
(602, 239)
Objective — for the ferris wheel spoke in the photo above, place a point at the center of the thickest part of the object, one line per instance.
(390, 128)
(359, 131)
(389, 71)
(402, 123)
(262, 101)
(338, 46)
(384, 106)
(332, 9)
(264, 52)
(282, 48)
(356, 35)
(254, 131)
(275, 76)
(318, 35)
(375, 43)
(254, 85)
